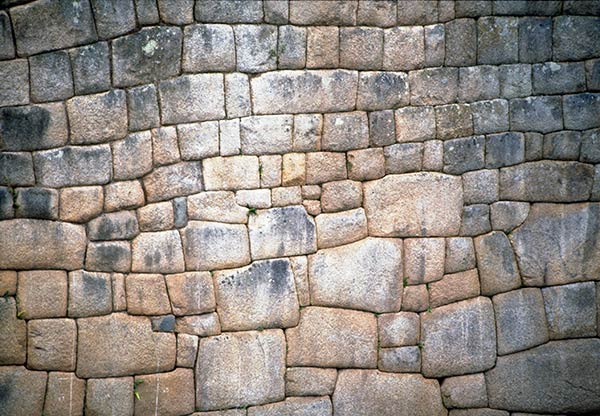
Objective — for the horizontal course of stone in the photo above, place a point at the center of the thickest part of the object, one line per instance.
(273, 207)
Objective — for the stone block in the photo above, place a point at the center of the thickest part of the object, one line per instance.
(202, 92)
(56, 244)
(480, 187)
(91, 68)
(415, 298)
(229, 11)
(346, 338)
(71, 166)
(458, 338)
(165, 149)
(64, 395)
(90, 294)
(571, 37)
(309, 381)
(113, 226)
(542, 114)
(191, 293)
(176, 12)
(256, 48)
(341, 195)
(15, 87)
(392, 205)
(535, 39)
(147, 295)
(123, 195)
(285, 92)
(490, 116)
(102, 351)
(97, 118)
(366, 164)
(592, 68)
(13, 330)
(361, 48)
(23, 390)
(478, 83)
(218, 206)
(208, 48)
(382, 129)
(291, 47)
(8, 283)
(6, 203)
(229, 137)
(338, 12)
(581, 111)
(289, 195)
(166, 393)
(578, 359)
(42, 294)
(504, 149)
(464, 391)
(231, 173)
(464, 154)
(378, 393)
(534, 144)
(341, 228)
(461, 42)
(52, 344)
(454, 287)
(590, 146)
(460, 254)
(558, 78)
(276, 11)
(345, 131)
(322, 47)
(433, 86)
(375, 285)
(7, 45)
(205, 325)
(108, 256)
(266, 134)
(157, 252)
(81, 204)
(415, 124)
(410, 13)
(240, 369)
(33, 127)
(166, 182)
(570, 310)
(237, 95)
(143, 109)
(398, 329)
(113, 18)
(198, 140)
(423, 260)
(293, 170)
(435, 45)
(382, 90)
(515, 80)
(16, 169)
(47, 25)
(109, 396)
(209, 245)
(187, 350)
(508, 215)
(50, 77)
(301, 406)
(521, 8)
(453, 120)
(262, 295)
(562, 145)
(118, 291)
(546, 181)
(400, 360)
(376, 13)
(498, 270)
(497, 40)
(257, 198)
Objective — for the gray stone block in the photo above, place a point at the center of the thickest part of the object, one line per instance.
(337, 13)
(208, 48)
(7, 45)
(435, 45)
(261, 135)
(475, 220)
(504, 149)
(453, 120)
(147, 12)
(421, 13)
(461, 42)
(361, 48)
(322, 47)
(464, 154)
(590, 146)
(460, 254)
(176, 12)
(256, 48)
(142, 106)
(524, 7)
(180, 179)
(229, 11)
(38, 203)
(113, 226)
(149, 55)
(490, 116)
(415, 124)
(309, 381)
(301, 406)
(50, 77)
(480, 187)
(573, 37)
(542, 114)
(33, 127)
(581, 111)
(113, 17)
(91, 68)
(571, 310)
(132, 156)
(198, 140)
(48, 25)
(508, 215)
(276, 12)
(497, 40)
(109, 256)
(473, 8)
(515, 80)
(14, 89)
(590, 7)
(404, 48)
(534, 144)
(592, 68)
(6, 203)
(433, 86)
(563, 145)
(291, 47)
(98, 118)
(403, 157)
(478, 83)
(535, 39)
(464, 391)
(382, 128)
(400, 360)
(345, 131)
(377, 13)
(16, 169)
(558, 78)
(203, 94)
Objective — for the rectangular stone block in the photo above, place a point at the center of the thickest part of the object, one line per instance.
(454, 287)
(435, 45)
(572, 37)
(433, 86)
(345, 131)
(166, 182)
(535, 39)
(558, 78)
(166, 393)
(361, 48)
(309, 381)
(42, 294)
(497, 40)
(34, 127)
(256, 48)
(198, 140)
(52, 344)
(64, 395)
(403, 157)
(382, 90)
(403, 48)
(109, 396)
(376, 13)
(91, 68)
(291, 47)
(157, 252)
(50, 76)
(90, 294)
(14, 89)
(461, 42)
(338, 12)
(229, 11)
(266, 134)
(237, 95)
(581, 111)
(7, 45)
(113, 226)
(208, 48)
(97, 118)
(132, 156)
(464, 154)
(322, 47)
(478, 83)
(231, 173)
(542, 114)
(142, 106)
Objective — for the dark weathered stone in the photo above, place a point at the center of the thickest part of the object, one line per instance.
(573, 37)
(33, 127)
(460, 254)
(39, 244)
(464, 154)
(535, 39)
(109, 256)
(38, 203)
(508, 215)
(435, 52)
(581, 110)
(13, 333)
(382, 128)
(543, 114)
(7, 46)
(540, 388)
(498, 270)
(571, 310)
(132, 156)
(590, 146)
(558, 244)
(475, 220)
(113, 226)
(50, 76)
(164, 323)
(113, 17)
(490, 116)
(90, 294)
(69, 166)
(461, 42)
(547, 181)
(504, 150)
(48, 25)
(478, 83)
(142, 106)
(149, 55)
(563, 145)
(229, 11)
(16, 169)
(403, 158)
(91, 68)
(515, 80)
(337, 12)
(554, 78)
(7, 210)
(14, 89)
(497, 40)
(176, 12)
(382, 90)
(22, 390)
(291, 47)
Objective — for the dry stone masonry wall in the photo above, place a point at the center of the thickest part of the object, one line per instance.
(321, 208)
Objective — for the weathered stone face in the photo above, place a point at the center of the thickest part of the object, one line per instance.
(158, 252)
(418, 204)
(22, 390)
(33, 127)
(14, 334)
(166, 393)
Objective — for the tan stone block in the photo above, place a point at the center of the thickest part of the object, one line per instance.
(8, 282)
(309, 381)
(341, 196)
(253, 198)
(310, 12)
(64, 395)
(311, 192)
(166, 182)
(168, 394)
(229, 137)
(325, 167)
(293, 169)
(187, 350)
(312, 207)
(415, 124)
(340, 228)
(366, 164)
(118, 292)
(345, 131)
(42, 294)
(454, 287)
(266, 134)
(284, 196)
(400, 359)
(109, 396)
(23, 390)
(191, 293)
(404, 48)
(156, 217)
(157, 252)
(415, 298)
(269, 168)
(13, 333)
(300, 406)
(90, 293)
(433, 155)
(165, 149)
(81, 204)
(216, 206)
(345, 338)
(108, 256)
(147, 294)
(465, 391)
(200, 325)
(424, 259)
(231, 173)
(123, 195)
(51, 344)
(398, 329)
(361, 47)
(322, 47)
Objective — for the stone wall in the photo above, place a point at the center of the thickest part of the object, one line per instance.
(299, 208)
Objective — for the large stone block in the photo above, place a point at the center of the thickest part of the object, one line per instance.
(262, 295)
(7, 46)
(416, 204)
(539, 387)
(266, 134)
(497, 40)
(240, 369)
(433, 86)
(461, 42)
(50, 76)
(119, 344)
(231, 173)
(404, 48)
(132, 156)
(345, 131)
(33, 127)
(168, 394)
(52, 344)
(171, 181)
(64, 395)
(48, 25)
(13, 332)
(279, 232)
(229, 11)
(309, 381)
(361, 48)
(374, 393)
(208, 48)
(39, 244)
(285, 92)
(256, 48)
(343, 13)
(459, 338)
(341, 228)
(90, 294)
(299, 406)
(23, 391)
(572, 37)
(464, 391)
(547, 181)
(16, 169)
(363, 275)
(571, 310)
(542, 114)
(581, 111)
(157, 252)
(98, 118)
(213, 245)
(109, 396)
(498, 270)
(91, 68)
(191, 293)
(327, 337)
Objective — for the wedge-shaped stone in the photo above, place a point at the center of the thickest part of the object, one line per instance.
(231, 173)
(240, 369)
(459, 338)
(327, 337)
(297, 406)
(39, 244)
(71, 166)
(558, 244)
(279, 232)
(364, 275)
(213, 245)
(22, 391)
(171, 181)
(119, 344)
(547, 181)
(561, 376)
(373, 393)
(416, 204)
(284, 92)
(158, 252)
(262, 295)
